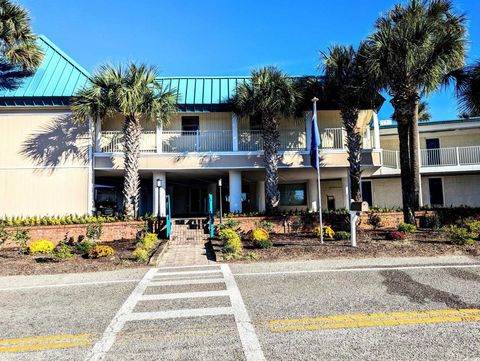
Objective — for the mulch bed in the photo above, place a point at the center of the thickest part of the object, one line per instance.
(13, 263)
(370, 244)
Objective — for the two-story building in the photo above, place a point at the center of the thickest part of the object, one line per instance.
(49, 165)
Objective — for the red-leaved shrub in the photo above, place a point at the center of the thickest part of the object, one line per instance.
(396, 235)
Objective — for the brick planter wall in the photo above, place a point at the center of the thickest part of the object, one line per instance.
(111, 232)
(388, 220)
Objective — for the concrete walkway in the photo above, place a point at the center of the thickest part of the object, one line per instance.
(186, 246)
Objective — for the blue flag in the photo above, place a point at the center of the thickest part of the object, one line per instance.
(315, 141)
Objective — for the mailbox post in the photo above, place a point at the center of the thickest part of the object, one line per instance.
(355, 209)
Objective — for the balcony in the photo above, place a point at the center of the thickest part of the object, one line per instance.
(434, 158)
(220, 141)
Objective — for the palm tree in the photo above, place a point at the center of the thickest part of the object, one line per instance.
(344, 72)
(269, 95)
(468, 90)
(413, 48)
(134, 92)
(18, 44)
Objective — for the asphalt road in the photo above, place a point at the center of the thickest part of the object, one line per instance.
(377, 309)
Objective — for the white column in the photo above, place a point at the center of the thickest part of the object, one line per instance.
(235, 186)
(261, 196)
(91, 168)
(346, 192)
(159, 195)
(308, 128)
(312, 194)
(376, 132)
(368, 136)
(234, 132)
(98, 135)
(158, 137)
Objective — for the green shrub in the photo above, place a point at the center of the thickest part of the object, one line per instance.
(407, 228)
(41, 246)
(4, 235)
(266, 225)
(473, 225)
(433, 221)
(232, 241)
(61, 251)
(342, 235)
(140, 255)
(374, 220)
(21, 237)
(230, 223)
(460, 236)
(297, 224)
(94, 231)
(85, 246)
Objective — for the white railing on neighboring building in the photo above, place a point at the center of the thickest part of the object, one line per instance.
(112, 141)
(174, 141)
(439, 157)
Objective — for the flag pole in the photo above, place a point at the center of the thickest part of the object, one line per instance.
(319, 191)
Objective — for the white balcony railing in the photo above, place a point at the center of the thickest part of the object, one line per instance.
(196, 141)
(112, 141)
(439, 157)
(220, 140)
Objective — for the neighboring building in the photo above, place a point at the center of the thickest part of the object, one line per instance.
(449, 165)
(50, 165)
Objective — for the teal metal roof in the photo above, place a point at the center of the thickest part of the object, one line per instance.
(203, 93)
(53, 83)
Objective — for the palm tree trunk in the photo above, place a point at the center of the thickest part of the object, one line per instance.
(406, 175)
(415, 156)
(271, 142)
(349, 117)
(131, 183)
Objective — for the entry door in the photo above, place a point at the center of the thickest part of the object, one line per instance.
(367, 192)
(433, 151)
(436, 191)
(195, 200)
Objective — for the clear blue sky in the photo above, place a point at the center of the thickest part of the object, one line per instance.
(221, 37)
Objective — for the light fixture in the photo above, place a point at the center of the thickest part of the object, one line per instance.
(159, 183)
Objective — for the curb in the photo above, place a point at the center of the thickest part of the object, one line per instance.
(157, 255)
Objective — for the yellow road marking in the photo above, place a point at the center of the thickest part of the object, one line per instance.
(45, 346)
(44, 338)
(376, 319)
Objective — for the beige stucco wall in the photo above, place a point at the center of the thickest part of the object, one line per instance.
(43, 164)
(386, 192)
(457, 190)
(31, 192)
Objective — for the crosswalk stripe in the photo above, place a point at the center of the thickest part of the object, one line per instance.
(192, 266)
(174, 296)
(188, 312)
(181, 273)
(186, 282)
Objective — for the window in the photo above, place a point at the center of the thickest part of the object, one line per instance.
(293, 194)
(255, 122)
(367, 192)
(436, 191)
(331, 203)
(190, 123)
